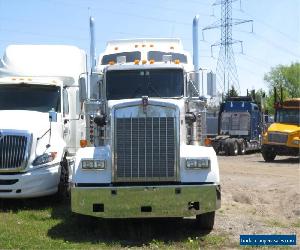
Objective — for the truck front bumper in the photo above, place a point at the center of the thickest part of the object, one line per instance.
(282, 149)
(38, 182)
(146, 201)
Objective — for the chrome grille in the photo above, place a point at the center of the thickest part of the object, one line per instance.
(278, 137)
(13, 150)
(145, 149)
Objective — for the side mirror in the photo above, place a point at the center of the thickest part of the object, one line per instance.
(52, 115)
(192, 76)
(82, 89)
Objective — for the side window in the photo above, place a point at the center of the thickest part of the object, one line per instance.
(65, 102)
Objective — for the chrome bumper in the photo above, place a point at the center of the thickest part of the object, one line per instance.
(146, 201)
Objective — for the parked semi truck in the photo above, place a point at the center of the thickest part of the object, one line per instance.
(283, 136)
(240, 124)
(39, 108)
(142, 154)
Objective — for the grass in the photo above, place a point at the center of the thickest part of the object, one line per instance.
(275, 223)
(296, 224)
(47, 224)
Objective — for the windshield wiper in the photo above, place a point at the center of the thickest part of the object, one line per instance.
(139, 87)
(149, 85)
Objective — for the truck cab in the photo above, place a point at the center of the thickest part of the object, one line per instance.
(283, 136)
(240, 125)
(143, 154)
(39, 109)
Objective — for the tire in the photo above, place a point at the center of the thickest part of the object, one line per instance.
(268, 154)
(233, 147)
(216, 148)
(63, 192)
(226, 147)
(242, 147)
(205, 221)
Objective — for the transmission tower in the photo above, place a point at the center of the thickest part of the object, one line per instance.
(227, 75)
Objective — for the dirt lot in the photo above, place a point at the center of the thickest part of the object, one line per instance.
(259, 197)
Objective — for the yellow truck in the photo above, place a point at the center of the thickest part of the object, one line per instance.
(283, 136)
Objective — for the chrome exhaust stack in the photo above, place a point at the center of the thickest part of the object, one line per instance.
(196, 52)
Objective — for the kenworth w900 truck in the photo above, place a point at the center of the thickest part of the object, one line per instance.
(39, 108)
(143, 155)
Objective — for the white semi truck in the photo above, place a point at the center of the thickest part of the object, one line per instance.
(144, 123)
(39, 118)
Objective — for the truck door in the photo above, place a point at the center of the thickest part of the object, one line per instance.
(66, 118)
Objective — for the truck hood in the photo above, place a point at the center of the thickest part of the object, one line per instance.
(281, 127)
(32, 121)
(37, 124)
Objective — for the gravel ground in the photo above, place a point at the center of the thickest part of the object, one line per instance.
(259, 197)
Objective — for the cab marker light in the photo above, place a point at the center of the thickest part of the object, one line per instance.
(207, 142)
(83, 143)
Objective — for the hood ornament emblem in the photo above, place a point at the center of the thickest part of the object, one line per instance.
(145, 103)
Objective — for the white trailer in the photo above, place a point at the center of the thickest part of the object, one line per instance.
(39, 118)
(144, 125)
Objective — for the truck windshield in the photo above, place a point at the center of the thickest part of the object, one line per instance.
(29, 97)
(290, 116)
(126, 84)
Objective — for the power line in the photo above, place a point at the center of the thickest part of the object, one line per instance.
(171, 8)
(255, 61)
(272, 27)
(270, 42)
(43, 34)
(275, 45)
(145, 17)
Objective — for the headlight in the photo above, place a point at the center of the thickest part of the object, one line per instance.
(296, 142)
(93, 164)
(198, 163)
(44, 158)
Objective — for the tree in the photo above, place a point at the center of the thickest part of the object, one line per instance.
(287, 77)
(232, 92)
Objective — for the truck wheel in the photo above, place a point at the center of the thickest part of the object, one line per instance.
(226, 147)
(233, 147)
(242, 147)
(63, 185)
(216, 148)
(206, 221)
(268, 154)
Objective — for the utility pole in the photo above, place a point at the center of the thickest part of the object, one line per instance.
(227, 75)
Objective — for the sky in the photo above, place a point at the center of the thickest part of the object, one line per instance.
(275, 38)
